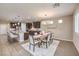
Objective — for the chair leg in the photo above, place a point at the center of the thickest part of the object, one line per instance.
(33, 48)
(29, 46)
(52, 40)
(46, 45)
(39, 45)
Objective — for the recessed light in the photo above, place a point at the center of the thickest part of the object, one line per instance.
(51, 22)
(60, 21)
(18, 16)
(45, 14)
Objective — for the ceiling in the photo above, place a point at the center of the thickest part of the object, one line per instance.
(34, 12)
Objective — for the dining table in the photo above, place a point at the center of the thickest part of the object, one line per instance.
(40, 36)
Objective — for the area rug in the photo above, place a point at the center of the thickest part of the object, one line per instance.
(42, 51)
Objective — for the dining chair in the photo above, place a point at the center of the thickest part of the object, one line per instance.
(33, 42)
(52, 36)
(47, 40)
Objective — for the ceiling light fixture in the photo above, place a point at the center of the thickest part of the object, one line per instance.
(45, 14)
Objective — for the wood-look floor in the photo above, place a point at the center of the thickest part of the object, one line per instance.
(8, 49)
(66, 48)
(14, 49)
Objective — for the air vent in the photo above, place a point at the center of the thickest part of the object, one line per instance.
(55, 5)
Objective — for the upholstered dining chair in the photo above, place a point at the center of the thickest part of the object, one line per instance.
(52, 36)
(33, 42)
(47, 40)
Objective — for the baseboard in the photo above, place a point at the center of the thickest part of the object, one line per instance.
(65, 40)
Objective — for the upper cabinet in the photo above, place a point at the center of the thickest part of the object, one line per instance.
(29, 25)
(36, 24)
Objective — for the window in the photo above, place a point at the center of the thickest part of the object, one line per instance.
(77, 23)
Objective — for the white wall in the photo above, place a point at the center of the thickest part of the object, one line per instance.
(4, 28)
(75, 35)
(62, 31)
